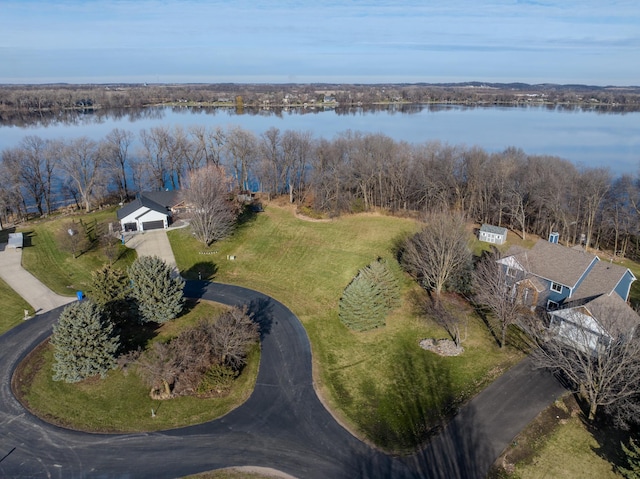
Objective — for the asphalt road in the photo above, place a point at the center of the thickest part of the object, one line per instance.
(282, 425)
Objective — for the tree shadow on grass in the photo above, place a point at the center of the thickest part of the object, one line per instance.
(608, 436)
(418, 407)
(248, 214)
(134, 336)
(202, 270)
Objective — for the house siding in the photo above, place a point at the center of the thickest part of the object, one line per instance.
(143, 215)
(624, 286)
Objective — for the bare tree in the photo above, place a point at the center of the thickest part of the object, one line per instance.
(209, 197)
(241, 146)
(116, 154)
(494, 290)
(593, 185)
(157, 367)
(595, 347)
(156, 145)
(82, 164)
(233, 333)
(439, 252)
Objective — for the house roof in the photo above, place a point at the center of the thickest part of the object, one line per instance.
(141, 201)
(499, 230)
(16, 240)
(610, 312)
(555, 262)
(603, 278)
(168, 198)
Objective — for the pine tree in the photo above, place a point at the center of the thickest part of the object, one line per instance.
(159, 296)
(84, 343)
(379, 273)
(369, 297)
(362, 306)
(110, 288)
(633, 460)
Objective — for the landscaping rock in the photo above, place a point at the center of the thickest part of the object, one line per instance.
(443, 347)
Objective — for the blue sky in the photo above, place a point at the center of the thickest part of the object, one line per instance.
(557, 41)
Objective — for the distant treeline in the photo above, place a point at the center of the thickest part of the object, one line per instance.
(57, 97)
(353, 172)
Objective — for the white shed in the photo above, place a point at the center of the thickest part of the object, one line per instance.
(16, 240)
(493, 234)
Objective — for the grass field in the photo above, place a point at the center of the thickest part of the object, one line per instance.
(559, 444)
(380, 382)
(57, 269)
(121, 402)
(12, 307)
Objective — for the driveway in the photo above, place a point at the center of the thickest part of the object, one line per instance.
(41, 298)
(282, 425)
(153, 243)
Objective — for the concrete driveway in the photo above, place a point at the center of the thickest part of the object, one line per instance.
(152, 243)
(41, 298)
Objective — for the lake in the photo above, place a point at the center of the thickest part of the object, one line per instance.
(585, 137)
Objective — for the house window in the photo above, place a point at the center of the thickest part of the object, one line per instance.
(551, 305)
(556, 287)
(511, 272)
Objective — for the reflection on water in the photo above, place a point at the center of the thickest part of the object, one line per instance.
(593, 136)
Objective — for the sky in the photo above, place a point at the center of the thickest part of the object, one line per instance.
(335, 41)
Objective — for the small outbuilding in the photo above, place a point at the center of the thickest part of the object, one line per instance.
(493, 234)
(16, 240)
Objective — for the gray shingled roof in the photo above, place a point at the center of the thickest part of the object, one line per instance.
(499, 230)
(602, 278)
(164, 198)
(611, 312)
(556, 262)
(139, 202)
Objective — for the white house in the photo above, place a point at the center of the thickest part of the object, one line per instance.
(150, 211)
(594, 324)
(493, 234)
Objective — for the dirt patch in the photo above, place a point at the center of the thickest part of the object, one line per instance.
(26, 371)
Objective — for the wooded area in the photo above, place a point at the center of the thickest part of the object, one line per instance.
(352, 172)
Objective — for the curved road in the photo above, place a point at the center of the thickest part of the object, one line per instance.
(282, 425)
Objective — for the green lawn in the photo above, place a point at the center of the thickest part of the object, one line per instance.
(57, 269)
(121, 402)
(558, 444)
(12, 307)
(380, 383)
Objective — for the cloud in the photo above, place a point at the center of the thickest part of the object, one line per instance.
(292, 37)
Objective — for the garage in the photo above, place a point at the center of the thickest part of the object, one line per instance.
(152, 225)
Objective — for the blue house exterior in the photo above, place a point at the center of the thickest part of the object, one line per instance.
(551, 276)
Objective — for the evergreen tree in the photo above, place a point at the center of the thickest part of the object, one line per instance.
(369, 297)
(379, 273)
(84, 343)
(362, 306)
(633, 460)
(159, 296)
(110, 289)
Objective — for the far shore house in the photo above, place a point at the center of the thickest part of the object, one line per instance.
(151, 210)
(493, 234)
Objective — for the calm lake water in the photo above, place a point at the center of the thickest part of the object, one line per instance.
(588, 138)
